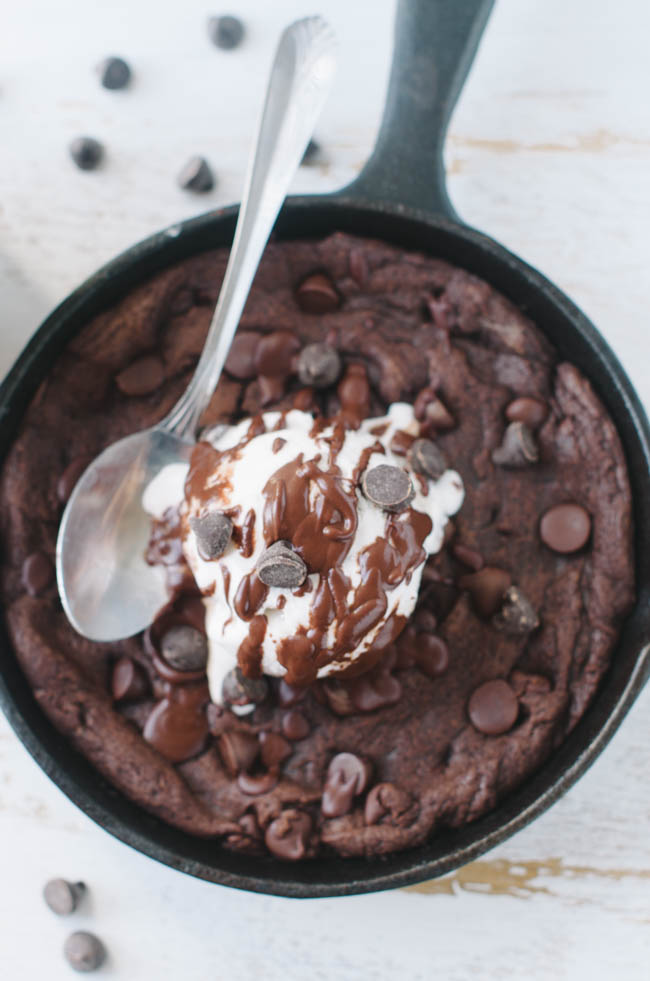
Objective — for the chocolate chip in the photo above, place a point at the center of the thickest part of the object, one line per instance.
(240, 362)
(226, 32)
(141, 377)
(70, 476)
(295, 726)
(239, 690)
(468, 556)
(388, 804)
(275, 749)
(62, 896)
(177, 725)
(532, 412)
(213, 532)
(128, 680)
(238, 750)
(388, 487)
(280, 566)
(431, 411)
(37, 573)
(565, 528)
(493, 708)
(319, 365)
(425, 457)
(288, 836)
(317, 294)
(432, 655)
(339, 697)
(517, 615)
(371, 692)
(311, 154)
(347, 777)
(254, 785)
(518, 448)
(290, 694)
(196, 175)
(487, 588)
(185, 648)
(114, 73)
(274, 354)
(86, 152)
(84, 951)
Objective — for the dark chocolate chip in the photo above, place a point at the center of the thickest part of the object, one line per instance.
(84, 951)
(274, 354)
(388, 487)
(280, 566)
(565, 528)
(311, 154)
(240, 362)
(295, 726)
(518, 448)
(196, 175)
(37, 573)
(213, 532)
(226, 32)
(288, 836)
(388, 804)
(347, 777)
(62, 896)
(432, 655)
(425, 457)
(238, 750)
(319, 365)
(517, 615)
(370, 692)
(487, 588)
(128, 680)
(239, 690)
(86, 152)
(493, 708)
(185, 648)
(259, 783)
(289, 695)
(532, 412)
(70, 476)
(141, 377)
(275, 749)
(468, 556)
(317, 294)
(114, 73)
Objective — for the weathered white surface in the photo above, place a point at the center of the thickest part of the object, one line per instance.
(549, 151)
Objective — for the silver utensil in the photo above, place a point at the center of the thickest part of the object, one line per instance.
(107, 589)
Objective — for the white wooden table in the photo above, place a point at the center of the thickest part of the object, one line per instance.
(549, 151)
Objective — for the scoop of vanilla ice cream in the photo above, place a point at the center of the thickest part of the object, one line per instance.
(237, 486)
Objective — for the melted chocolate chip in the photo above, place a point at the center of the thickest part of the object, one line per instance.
(238, 750)
(317, 294)
(37, 573)
(84, 951)
(114, 73)
(388, 487)
(141, 377)
(70, 476)
(319, 365)
(62, 896)
(518, 448)
(375, 691)
(274, 354)
(432, 657)
(177, 726)
(289, 695)
(532, 412)
(339, 697)
(565, 528)
(185, 648)
(196, 175)
(295, 726)
(387, 804)
(493, 708)
(275, 749)
(86, 152)
(128, 680)
(239, 690)
(517, 615)
(280, 566)
(288, 836)
(213, 532)
(255, 785)
(347, 777)
(487, 588)
(240, 362)
(425, 457)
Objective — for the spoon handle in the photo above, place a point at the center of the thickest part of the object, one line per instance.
(298, 85)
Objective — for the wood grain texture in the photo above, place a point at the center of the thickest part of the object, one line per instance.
(549, 151)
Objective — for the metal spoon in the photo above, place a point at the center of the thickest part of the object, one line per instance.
(107, 589)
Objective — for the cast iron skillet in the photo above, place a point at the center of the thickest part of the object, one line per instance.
(400, 197)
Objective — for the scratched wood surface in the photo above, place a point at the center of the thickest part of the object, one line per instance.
(549, 151)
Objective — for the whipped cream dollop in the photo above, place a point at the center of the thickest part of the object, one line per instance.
(285, 476)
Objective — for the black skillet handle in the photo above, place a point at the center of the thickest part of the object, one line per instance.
(435, 43)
